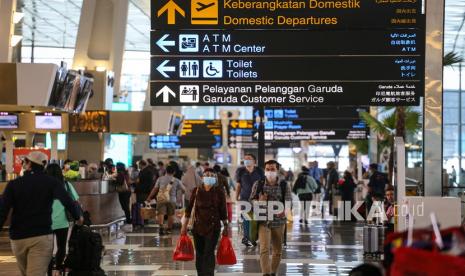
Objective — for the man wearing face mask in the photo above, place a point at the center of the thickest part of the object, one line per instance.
(245, 178)
(271, 232)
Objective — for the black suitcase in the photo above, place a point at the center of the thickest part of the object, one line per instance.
(85, 252)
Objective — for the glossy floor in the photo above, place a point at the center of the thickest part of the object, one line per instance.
(322, 248)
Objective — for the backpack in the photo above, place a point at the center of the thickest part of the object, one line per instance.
(85, 252)
(164, 193)
(300, 183)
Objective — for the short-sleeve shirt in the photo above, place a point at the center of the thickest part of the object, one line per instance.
(163, 181)
(247, 180)
(59, 218)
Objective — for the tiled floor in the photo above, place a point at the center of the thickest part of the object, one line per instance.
(323, 248)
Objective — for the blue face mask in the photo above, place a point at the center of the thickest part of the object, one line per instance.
(209, 181)
(248, 163)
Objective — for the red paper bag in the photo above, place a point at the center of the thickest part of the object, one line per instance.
(184, 250)
(225, 254)
(409, 261)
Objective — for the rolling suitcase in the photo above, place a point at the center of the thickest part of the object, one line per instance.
(373, 240)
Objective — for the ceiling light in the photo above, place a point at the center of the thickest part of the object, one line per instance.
(35, 111)
(15, 39)
(17, 16)
(100, 69)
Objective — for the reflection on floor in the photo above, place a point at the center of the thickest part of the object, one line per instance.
(322, 248)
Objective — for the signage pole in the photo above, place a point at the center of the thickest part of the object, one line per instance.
(261, 136)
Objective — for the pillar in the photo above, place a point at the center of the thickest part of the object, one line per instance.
(7, 9)
(54, 146)
(373, 141)
(432, 135)
(101, 36)
(9, 146)
(29, 139)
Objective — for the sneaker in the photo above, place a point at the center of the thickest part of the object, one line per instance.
(254, 243)
(300, 220)
(168, 231)
(161, 232)
(306, 221)
(246, 242)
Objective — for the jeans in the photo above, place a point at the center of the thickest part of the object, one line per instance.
(274, 237)
(205, 253)
(33, 255)
(124, 198)
(61, 236)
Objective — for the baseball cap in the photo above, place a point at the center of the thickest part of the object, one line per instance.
(37, 157)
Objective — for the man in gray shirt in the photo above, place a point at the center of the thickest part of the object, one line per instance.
(165, 191)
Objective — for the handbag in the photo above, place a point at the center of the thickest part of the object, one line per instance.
(123, 188)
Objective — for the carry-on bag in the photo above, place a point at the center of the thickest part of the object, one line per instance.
(85, 252)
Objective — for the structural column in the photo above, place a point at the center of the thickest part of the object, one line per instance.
(373, 141)
(101, 37)
(432, 165)
(7, 10)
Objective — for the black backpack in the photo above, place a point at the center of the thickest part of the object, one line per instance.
(300, 182)
(85, 252)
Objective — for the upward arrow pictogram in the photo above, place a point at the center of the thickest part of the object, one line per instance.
(171, 8)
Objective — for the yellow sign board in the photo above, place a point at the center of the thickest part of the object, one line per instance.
(204, 12)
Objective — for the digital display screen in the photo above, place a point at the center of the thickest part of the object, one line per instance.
(48, 121)
(194, 134)
(8, 120)
(314, 123)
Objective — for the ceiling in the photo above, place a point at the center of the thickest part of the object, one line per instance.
(54, 23)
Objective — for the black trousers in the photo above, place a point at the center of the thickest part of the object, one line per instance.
(124, 202)
(205, 253)
(61, 236)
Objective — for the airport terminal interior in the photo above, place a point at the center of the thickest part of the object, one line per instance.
(232, 137)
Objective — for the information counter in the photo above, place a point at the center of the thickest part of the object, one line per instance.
(100, 199)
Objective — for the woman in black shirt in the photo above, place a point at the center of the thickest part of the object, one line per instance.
(209, 202)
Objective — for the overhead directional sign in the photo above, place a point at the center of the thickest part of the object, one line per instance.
(194, 134)
(288, 52)
(240, 134)
(314, 123)
(286, 14)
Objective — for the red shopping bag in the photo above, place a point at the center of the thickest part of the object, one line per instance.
(225, 254)
(410, 261)
(184, 250)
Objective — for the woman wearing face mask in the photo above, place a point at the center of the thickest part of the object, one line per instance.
(209, 202)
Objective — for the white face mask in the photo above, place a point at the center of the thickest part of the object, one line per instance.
(271, 175)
